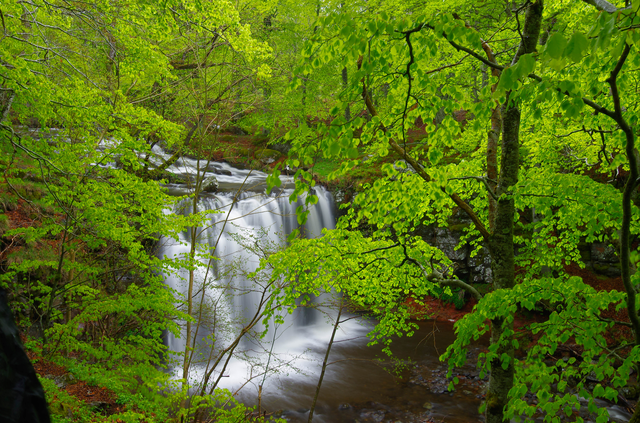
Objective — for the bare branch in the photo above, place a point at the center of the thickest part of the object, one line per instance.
(605, 6)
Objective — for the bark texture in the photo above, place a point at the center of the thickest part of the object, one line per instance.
(501, 241)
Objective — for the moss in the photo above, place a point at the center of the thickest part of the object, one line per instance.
(29, 190)
(268, 154)
(62, 406)
(605, 268)
(227, 138)
(260, 140)
(4, 224)
(458, 227)
(8, 202)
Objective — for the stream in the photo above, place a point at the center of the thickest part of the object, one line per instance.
(360, 384)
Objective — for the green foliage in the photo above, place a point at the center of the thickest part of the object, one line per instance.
(85, 85)
(577, 316)
(450, 296)
(370, 271)
(87, 91)
(428, 68)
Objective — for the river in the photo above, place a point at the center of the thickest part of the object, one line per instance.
(361, 383)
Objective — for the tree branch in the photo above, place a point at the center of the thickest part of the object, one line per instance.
(605, 6)
(418, 167)
(438, 279)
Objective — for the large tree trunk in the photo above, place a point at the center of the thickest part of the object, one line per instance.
(503, 263)
(501, 241)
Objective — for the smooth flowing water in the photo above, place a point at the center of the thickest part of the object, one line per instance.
(360, 385)
(287, 361)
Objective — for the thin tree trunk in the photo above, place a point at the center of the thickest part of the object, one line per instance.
(627, 212)
(345, 84)
(324, 363)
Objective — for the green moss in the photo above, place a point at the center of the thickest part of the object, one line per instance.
(29, 190)
(227, 138)
(260, 140)
(458, 227)
(8, 202)
(4, 224)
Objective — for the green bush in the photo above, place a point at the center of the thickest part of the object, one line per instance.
(456, 297)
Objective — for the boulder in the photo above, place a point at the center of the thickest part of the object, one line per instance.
(268, 156)
(281, 147)
(210, 184)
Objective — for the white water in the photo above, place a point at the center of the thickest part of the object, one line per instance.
(247, 219)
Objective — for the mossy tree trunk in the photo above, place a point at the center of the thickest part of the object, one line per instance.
(501, 243)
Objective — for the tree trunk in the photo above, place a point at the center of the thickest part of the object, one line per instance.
(501, 242)
(503, 263)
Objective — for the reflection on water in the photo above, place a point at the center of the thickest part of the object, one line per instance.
(360, 384)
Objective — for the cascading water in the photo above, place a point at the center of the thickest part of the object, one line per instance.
(248, 217)
(246, 223)
(287, 361)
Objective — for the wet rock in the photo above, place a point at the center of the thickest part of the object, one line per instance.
(210, 184)
(375, 416)
(427, 405)
(175, 178)
(217, 171)
(345, 406)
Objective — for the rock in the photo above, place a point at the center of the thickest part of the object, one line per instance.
(236, 130)
(281, 147)
(63, 380)
(99, 405)
(345, 406)
(405, 167)
(175, 178)
(268, 156)
(237, 155)
(210, 184)
(603, 253)
(372, 415)
(606, 269)
(260, 140)
(218, 171)
(427, 405)
(447, 241)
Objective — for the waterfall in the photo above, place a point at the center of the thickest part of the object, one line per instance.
(246, 222)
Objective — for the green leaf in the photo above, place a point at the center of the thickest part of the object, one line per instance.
(555, 45)
(526, 65)
(578, 44)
